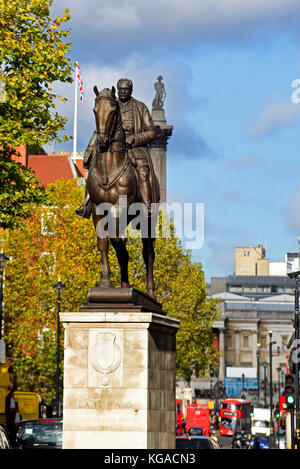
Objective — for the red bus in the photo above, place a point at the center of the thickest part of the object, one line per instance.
(235, 416)
(198, 416)
(179, 420)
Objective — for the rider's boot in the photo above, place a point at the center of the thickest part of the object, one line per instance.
(146, 192)
(85, 210)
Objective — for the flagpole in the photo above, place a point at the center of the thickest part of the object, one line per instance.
(75, 115)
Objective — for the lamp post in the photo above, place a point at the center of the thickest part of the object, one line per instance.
(265, 384)
(295, 275)
(271, 342)
(3, 261)
(258, 377)
(278, 369)
(59, 288)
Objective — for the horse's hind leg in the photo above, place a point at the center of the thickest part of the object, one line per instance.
(119, 245)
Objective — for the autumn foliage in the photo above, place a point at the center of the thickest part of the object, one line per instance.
(56, 242)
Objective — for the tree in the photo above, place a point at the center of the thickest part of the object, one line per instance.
(19, 188)
(56, 242)
(32, 58)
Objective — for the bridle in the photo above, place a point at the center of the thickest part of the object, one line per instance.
(101, 133)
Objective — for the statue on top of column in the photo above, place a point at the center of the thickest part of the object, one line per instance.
(160, 95)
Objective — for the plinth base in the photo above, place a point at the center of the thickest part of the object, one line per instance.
(120, 299)
(119, 380)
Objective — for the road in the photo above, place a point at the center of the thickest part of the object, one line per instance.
(224, 441)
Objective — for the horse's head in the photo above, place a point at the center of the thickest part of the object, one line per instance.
(105, 111)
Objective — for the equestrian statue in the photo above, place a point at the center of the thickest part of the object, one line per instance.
(119, 165)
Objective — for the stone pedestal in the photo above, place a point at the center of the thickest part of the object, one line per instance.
(119, 374)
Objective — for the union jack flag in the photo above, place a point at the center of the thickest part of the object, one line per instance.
(79, 79)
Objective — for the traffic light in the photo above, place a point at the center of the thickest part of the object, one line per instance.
(277, 412)
(290, 390)
(251, 410)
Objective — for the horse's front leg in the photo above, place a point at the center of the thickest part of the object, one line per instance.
(119, 245)
(149, 257)
(103, 246)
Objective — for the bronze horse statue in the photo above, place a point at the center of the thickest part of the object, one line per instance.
(112, 176)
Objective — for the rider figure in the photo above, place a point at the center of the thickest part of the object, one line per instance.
(139, 131)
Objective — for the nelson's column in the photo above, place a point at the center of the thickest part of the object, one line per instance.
(158, 147)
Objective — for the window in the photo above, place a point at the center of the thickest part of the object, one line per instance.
(228, 341)
(249, 289)
(246, 341)
(236, 288)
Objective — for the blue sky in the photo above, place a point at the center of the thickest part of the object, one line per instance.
(228, 67)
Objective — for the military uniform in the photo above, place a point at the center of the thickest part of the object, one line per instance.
(137, 122)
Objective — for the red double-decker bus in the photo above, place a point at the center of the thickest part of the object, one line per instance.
(235, 416)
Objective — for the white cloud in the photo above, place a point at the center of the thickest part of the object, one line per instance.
(244, 161)
(292, 211)
(117, 26)
(185, 140)
(110, 18)
(274, 117)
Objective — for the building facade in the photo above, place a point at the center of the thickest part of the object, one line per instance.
(244, 331)
(254, 287)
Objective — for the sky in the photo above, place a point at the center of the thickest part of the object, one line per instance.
(230, 70)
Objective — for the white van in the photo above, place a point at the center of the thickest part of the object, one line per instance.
(260, 421)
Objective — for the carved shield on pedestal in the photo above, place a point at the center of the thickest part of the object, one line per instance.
(105, 355)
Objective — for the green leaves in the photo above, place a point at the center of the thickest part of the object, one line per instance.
(32, 56)
(19, 189)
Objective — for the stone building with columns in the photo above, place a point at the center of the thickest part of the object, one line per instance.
(243, 331)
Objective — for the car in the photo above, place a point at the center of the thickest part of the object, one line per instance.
(196, 442)
(280, 439)
(260, 441)
(4, 440)
(39, 434)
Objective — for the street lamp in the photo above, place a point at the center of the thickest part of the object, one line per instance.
(271, 342)
(59, 288)
(265, 383)
(3, 261)
(278, 369)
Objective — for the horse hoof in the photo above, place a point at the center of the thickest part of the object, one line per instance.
(106, 284)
